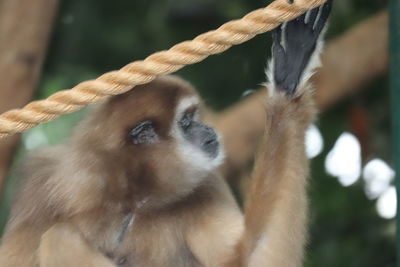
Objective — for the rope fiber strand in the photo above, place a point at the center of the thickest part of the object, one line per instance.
(160, 63)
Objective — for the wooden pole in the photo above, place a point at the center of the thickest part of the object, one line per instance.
(25, 26)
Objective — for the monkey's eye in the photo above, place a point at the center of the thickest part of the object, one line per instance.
(187, 119)
(144, 133)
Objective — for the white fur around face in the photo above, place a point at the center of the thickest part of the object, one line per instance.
(198, 163)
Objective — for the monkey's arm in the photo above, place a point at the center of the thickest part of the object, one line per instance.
(275, 216)
(63, 246)
(49, 194)
(216, 228)
(18, 249)
(276, 211)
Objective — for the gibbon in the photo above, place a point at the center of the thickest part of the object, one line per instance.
(137, 183)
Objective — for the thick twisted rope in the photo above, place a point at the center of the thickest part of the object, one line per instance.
(164, 62)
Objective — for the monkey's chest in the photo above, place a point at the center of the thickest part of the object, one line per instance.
(134, 240)
(155, 243)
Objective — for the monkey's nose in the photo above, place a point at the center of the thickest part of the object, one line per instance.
(211, 144)
(211, 147)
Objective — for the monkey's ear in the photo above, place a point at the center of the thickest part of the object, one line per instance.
(294, 44)
(63, 246)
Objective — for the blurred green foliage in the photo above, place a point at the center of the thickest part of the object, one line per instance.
(95, 36)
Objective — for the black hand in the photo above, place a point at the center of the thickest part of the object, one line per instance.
(300, 38)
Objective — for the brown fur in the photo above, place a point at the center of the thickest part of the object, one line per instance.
(84, 191)
(276, 211)
(98, 178)
(62, 246)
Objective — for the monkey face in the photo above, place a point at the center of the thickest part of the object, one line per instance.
(198, 134)
(154, 136)
(186, 128)
(198, 145)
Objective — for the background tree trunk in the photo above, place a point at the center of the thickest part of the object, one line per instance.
(25, 26)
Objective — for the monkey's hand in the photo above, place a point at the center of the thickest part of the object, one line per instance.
(294, 43)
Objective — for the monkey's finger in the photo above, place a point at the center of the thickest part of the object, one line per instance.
(323, 17)
(312, 15)
(277, 47)
(302, 18)
(278, 52)
(277, 35)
